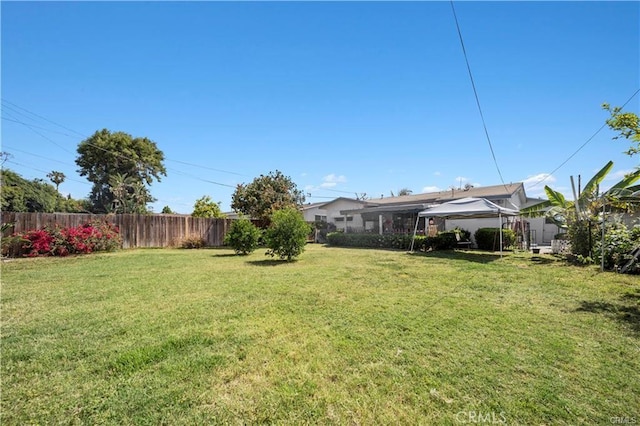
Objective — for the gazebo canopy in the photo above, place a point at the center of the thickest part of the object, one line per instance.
(468, 208)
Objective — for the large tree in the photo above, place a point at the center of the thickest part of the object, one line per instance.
(22, 195)
(266, 194)
(105, 157)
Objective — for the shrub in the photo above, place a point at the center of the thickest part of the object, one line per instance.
(87, 238)
(193, 242)
(443, 241)
(581, 235)
(243, 236)
(399, 241)
(489, 238)
(39, 242)
(287, 234)
(619, 242)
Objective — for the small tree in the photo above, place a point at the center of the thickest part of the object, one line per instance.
(243, 236)
(57, 178)
(167, 210)
(206, 207)
(287, 234)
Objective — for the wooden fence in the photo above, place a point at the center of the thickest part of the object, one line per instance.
(136, 230)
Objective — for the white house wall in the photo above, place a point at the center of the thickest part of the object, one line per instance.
(332, 211)
(310, 213)
(544, 232)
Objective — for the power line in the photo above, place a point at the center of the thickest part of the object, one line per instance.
(581, 146)
(117, 154)
(30, 127)
(36, 127)
(205, 167)
(40, 156)
(475, 93)
(43, 171)
(41, 117)
(95, 146)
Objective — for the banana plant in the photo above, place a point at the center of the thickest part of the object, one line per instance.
(557, 208)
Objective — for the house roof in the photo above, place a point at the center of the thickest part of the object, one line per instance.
(313, 205)
(335, 200)
(488, 192)
(417, 202)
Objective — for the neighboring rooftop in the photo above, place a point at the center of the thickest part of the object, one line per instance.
(488, 192)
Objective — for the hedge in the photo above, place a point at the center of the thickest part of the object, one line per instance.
(443, 241)
(489, 238)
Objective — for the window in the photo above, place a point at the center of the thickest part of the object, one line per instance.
(341, 219)
(320, 218)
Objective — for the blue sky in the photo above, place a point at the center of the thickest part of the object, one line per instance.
(343, 97)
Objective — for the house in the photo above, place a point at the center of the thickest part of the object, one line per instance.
(399, 214)
(330, 212)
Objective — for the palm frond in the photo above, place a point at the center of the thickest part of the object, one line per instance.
(556, 198)
(596, 179)
(628, 180)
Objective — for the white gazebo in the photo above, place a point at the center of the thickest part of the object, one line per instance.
(466, 208)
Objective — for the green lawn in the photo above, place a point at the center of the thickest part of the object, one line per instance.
(341, 336)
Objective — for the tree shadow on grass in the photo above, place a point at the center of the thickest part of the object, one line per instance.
(543, 260)
(270, 262)
(625, 314)
(225, 255)
(632, 296)
(469, 256)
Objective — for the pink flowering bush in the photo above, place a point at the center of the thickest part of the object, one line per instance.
(87, 238)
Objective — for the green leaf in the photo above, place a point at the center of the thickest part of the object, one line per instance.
(555, 198)
(536, 210)
(628, 180)
(596, 179)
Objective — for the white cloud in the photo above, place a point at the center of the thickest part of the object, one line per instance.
(303, 174)
(331, 180)
(461, 179)
(476, 185)
(431, 189)
(534, 184)
(437, 173)
(540, 178)
(619, 175)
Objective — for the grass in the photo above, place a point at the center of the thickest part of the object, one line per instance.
(341, 336)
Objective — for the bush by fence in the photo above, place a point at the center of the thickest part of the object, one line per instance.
(136, 230)
(87, 238)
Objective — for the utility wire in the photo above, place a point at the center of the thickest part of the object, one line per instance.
(36, 127)
(97, 147)
(43, 171)
(30, 127)
(40, 117)
(85, 182)
(547, 176)
(475, 93)
(128, 158)
(40, 156)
